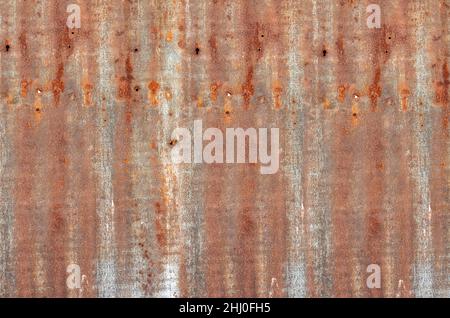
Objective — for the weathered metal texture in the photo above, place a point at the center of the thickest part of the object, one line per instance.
(85, 130)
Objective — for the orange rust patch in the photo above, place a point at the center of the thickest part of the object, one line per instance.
(10, 99)
(380, 166)
(247, 88)
(87, 94)
(126, 81)
(375, 90)
(440, 92)
(341, 93)
(168, 94)
(442, 88)
(277, 91)
(152, 145)
(326, 103)
(153, 87)
(199, 101)
(213, 90)
(124, 88)
(340, 45)
(24, 87)
(169, 36)
(404, 93)
(58, 84)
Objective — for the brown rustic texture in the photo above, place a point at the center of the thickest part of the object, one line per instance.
(86, 118)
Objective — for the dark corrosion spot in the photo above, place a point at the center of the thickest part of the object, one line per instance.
(324, 52)
(387, 52)
(7, 47)
(38, 110)
(137, 88)
(262, 35)
(227, 112)
(355, 115)
(136, 50)
(173, 142)
(197, 50)
(69, 46)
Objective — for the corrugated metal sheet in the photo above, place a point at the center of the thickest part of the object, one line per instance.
(86, 122)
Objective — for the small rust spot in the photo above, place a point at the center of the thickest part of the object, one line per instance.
(326, 104)
(380, 166)
(153, 87)
(199, 101)
(355, 113)
(24, 87)
(169, 36)
(181, 44)
(213, 90)
(341, 93)
(168, 95)
(228, 110)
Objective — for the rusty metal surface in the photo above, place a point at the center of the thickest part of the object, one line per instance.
(86, 121)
